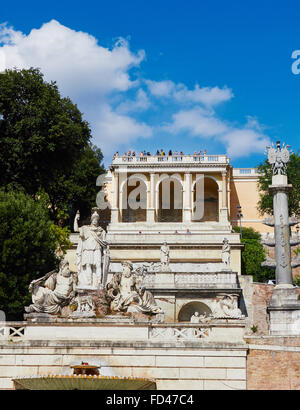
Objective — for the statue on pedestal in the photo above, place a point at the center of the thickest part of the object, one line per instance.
(226, 253)
(90, 251)
(53, 291)
(278, 157)
(165, 257)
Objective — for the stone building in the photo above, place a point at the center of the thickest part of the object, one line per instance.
(215, 333)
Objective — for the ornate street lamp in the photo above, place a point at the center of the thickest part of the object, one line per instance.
(239, 216)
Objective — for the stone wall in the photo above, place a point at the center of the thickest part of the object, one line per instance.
(273, 363)
(169, 354)
(173, 367)
(254, 303)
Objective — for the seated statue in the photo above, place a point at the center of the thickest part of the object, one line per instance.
(195, 318)
(53, 291)
(226, 307)
(146, 303)
(127, 296)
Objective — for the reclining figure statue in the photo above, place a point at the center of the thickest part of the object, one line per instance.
(127, 296)
(53, 291)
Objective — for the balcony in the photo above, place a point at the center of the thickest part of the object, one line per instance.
(245, 172)
(175, 159)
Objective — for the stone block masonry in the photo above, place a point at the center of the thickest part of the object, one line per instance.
(273, 363)
(174, 361)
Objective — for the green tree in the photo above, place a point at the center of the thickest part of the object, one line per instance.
(45, 143)
(265, 204)
(28, 243)
(253, 254)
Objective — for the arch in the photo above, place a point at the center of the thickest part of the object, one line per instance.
(141, 177)
(130, 214)
(205, 176)
(190, 308)
(211, 200)
(169, 203)
(172, 176)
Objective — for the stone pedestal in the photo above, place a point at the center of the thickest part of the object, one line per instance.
(280, 190)
(151, 215)
(224, 216)
(284, 308)
(166, 278)
(284, 311)
(91, 303)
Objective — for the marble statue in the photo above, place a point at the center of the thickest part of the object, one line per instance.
(165, 257)
(127, 296)
(53, 291)
(226, 307)
(91, 261)
(195, 318)
(278, 157)
(147, 302)
(226, 253)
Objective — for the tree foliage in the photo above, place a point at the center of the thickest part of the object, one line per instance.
(45, 143)
(253, 254)
(27, 248)
(265, 204)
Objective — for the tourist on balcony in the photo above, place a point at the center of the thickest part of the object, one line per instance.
(170, 153)
(157, 152)
(162, 153)
(204, 152)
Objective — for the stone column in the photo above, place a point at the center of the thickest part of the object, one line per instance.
(151, 209)
(280, 189)
(224, 208)
(187, 212)
(115, 202)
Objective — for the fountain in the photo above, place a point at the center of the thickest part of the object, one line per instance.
(85, 377)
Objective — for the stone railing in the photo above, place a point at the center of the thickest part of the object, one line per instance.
(244, 172)
(180, 332)
(11, 332)
(158, 159)
(202, 280)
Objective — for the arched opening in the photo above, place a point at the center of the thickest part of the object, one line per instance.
(134, 200)
(190, 308)
(170, 200)
(210, 211)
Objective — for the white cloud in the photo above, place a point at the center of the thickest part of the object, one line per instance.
(207, 96)
(197, 122)
(99, 80)
(116, 129)
(161, 88)
(84, 70)
(244, 141)
(72, 58)
(140, 103)
(239, 141)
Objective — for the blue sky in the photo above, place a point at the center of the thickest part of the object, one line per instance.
(184, 75)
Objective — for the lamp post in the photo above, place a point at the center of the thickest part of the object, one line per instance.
(239, 216)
